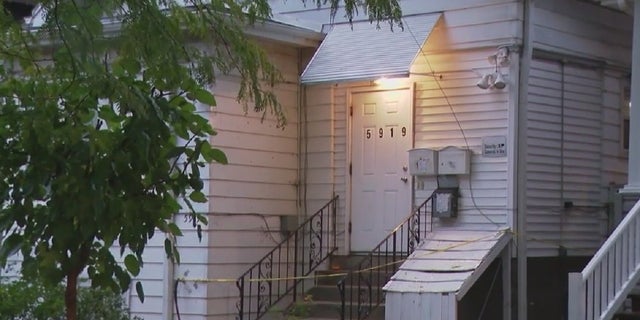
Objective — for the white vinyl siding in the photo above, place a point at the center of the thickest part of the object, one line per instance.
(317, 149)
(249, 195)
(450, 110)
(470, 23)
(569, 161)
(411, 306)
(341, 161)
(614, 157)
(477, 27)
(574, 149)
(582, 29)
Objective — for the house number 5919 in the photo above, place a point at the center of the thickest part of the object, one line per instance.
(368, 133)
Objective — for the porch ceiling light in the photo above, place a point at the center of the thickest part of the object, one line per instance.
(390, 80)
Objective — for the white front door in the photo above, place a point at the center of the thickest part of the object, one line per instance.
(380, 183)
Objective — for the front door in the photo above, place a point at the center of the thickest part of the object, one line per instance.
(380, 183)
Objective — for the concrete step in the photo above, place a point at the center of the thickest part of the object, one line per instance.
(331, 310)
(345, 262)
(323, 301)
(332, 294)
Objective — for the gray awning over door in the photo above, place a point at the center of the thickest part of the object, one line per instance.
(361, 51)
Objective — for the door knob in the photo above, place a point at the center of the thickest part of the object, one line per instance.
(404, 179)
(405, 168)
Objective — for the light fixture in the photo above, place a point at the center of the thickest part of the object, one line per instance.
(389, 81)
(486, 81)
(380, 80)
(500, 58)
(494, 80)
(498, 81)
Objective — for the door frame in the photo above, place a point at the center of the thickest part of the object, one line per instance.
(398, 84)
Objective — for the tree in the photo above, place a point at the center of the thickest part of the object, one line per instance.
(101, 137)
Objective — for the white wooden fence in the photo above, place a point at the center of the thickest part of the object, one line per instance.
(600, 289)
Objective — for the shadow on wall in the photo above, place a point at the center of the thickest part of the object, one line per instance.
(547, 290)
(548, 285)
(484, 300)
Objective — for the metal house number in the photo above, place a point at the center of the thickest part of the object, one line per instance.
(368, 134)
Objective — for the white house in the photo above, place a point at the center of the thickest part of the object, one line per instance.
(561, 118)
(525, 105)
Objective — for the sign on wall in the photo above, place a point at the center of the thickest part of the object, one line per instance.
(494, 147)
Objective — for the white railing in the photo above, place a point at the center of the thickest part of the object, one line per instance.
(600, 289)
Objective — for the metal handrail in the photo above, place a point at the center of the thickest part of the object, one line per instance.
(282, 269)
(601, 288)
(374, 270)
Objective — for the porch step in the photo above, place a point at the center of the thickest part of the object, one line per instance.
(324, 298)
(627, 315)
(331, 310)
(631, 309)
(345, 262)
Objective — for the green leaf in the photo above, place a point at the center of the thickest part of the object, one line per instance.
(140, 291)
(132, 66)
(106, 113)
(204, 96)
(176, 254)
(213, 154)
(198, 196)
(132, 264)
(167, 248)
(202, 219)
(174, 229)
(175, 151)
(10, 246)
(199, 232)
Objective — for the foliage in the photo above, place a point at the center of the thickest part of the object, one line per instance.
(23, 299)
(300, 310)
(102, 138)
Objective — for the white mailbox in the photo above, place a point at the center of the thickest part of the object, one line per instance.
(453, 160)
(423, 162)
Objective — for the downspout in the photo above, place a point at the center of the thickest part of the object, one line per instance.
(562, 134)
(303, 155)
(169, 285)
(521, 128)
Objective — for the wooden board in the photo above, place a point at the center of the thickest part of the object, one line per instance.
(440, 265)
(406, 275)
(408, 286)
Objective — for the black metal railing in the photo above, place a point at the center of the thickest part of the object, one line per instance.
(361, 289)
(280, 271)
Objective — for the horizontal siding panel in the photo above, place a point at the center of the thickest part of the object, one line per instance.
(253, 174)
(235, 189)
(583, 30)
(251, 141)
(440, 117)
(564, 162)
(261, 158)
(262, 206)
(241, 123)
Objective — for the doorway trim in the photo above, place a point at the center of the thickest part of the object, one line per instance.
(400, 84)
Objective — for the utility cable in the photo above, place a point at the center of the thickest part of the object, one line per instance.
(455, 116)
